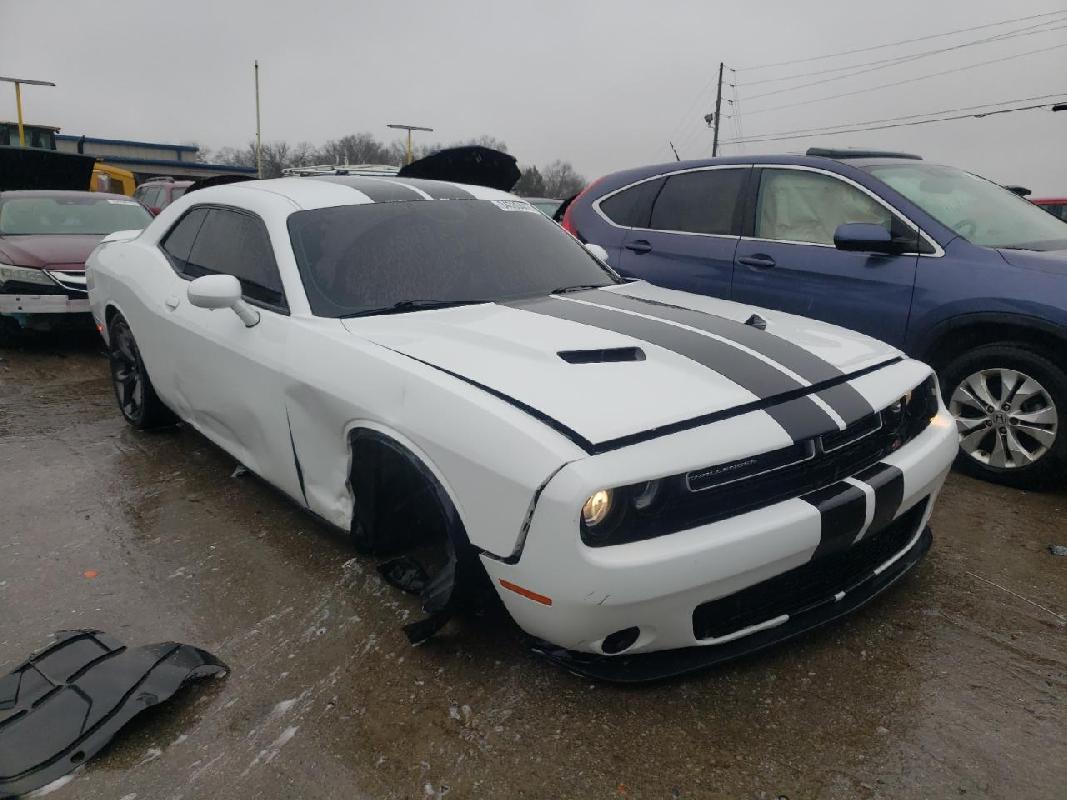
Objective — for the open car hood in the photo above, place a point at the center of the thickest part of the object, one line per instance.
(474, 164)
(26, 168)
(608, 364)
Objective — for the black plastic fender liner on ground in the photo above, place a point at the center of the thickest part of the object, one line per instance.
(64, 703)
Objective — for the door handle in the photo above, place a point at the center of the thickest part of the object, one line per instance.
(760, 261)
(639, 246)
(172, 302)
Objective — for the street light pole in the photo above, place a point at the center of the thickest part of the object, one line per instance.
(18, 100)
(259, 141)
(409, 156)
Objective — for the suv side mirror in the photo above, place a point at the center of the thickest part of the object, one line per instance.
(864, 237)
(221, 291)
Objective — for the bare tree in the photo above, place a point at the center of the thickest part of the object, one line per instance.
(561, 179)
(531, 183)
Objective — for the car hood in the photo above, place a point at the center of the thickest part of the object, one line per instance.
(67, 251)
(606, 373)
(1054, 261)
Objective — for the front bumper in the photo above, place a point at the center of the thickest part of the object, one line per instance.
(657, 585)
(43, 304)
(662, 664)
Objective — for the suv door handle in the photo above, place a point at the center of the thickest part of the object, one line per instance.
(639, 246)
(761, 261)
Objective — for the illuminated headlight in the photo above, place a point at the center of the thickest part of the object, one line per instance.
(24, 275)
(597, 507)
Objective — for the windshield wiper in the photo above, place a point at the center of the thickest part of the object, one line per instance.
(579, 288)
(412, 305)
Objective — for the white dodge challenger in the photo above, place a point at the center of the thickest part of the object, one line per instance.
(652, 481)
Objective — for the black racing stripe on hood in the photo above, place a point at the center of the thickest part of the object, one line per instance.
(849, 404)
(440, 191)
(801, 419)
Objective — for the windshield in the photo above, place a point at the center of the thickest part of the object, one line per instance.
(364, 258)
(77, 214)
(980, 211)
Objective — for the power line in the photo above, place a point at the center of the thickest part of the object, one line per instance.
(902, 41)
(885, 63)
(909, 80)
(828, 128)
(863, 127)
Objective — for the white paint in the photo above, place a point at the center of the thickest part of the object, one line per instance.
(54, 786)
(516, 482)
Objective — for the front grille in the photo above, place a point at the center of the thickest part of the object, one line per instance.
(24, 288)
(804, 587)
(722, 491)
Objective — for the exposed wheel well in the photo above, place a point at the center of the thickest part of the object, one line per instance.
(401, 509)
(109, 314)
(955, 341)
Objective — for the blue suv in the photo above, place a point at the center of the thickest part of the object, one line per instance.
(948, 266)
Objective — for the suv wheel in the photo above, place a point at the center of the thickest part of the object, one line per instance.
(1010, 406)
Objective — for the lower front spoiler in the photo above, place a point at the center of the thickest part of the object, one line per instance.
(662, 664)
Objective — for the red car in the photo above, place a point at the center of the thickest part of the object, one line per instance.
(155, 194)
(1056, 206)
(45, 237)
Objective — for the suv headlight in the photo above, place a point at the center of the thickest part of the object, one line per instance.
(24, 275)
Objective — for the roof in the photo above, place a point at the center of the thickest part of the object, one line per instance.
(67, 137)
(191, 165)
(336, 190)
(842, 153)
(64, 193)
(30, 125)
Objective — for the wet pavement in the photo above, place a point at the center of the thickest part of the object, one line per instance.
(952, 685)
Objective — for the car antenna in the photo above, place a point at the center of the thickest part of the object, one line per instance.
(675, 149)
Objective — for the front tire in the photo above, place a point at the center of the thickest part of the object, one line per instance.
(136, 397)
(1010, 405)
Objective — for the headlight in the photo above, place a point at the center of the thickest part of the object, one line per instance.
(24, 275)
(597, 507)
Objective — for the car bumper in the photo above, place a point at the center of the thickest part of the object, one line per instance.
(657, 585)
(43, 304)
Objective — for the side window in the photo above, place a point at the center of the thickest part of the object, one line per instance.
(802, 206)
(151, 197)
(706, 201)
(178, 243)
(235, 243)
(632, 207)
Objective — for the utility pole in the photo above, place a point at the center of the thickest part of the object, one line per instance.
(718, 107)
(675, 149)
(409, 156)
(259, 139)
(18, 100)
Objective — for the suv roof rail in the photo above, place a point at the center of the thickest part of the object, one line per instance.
(847, 152)
(160, 178)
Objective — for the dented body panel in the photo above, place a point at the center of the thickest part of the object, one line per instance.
(520, 409)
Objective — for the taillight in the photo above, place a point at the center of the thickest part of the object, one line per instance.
(568, 218)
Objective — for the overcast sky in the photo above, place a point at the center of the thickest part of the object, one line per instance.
(603, 84)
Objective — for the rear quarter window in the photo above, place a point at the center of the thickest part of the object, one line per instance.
(631, 208)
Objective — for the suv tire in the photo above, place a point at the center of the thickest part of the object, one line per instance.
(1010, 404)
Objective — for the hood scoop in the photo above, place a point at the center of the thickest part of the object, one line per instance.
(602, 356)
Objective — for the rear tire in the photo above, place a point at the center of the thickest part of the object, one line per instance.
(1010, 404)
(136, 397)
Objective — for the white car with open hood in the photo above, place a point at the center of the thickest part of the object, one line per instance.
(652, 481)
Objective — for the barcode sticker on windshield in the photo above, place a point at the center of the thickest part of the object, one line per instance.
(514, 205)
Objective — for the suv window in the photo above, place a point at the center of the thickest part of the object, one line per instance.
(802, 206)
(236, 243)
(632, 207)
(706, 201)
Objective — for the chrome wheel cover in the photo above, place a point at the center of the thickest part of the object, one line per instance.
(1006, 418)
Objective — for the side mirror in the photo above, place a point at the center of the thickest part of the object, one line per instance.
(598, 251)
(221, 291)
(864, 237)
